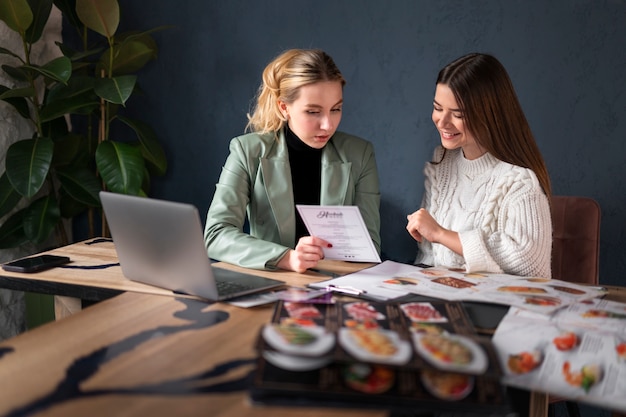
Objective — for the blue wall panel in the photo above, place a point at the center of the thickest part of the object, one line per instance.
(567, 59)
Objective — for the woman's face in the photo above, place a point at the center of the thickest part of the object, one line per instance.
(315, 115)
(450, 122)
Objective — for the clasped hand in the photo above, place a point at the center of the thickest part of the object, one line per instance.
(421, 225)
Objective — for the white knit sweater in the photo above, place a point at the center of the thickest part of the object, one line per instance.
(499, 210)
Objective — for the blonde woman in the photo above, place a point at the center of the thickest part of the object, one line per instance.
(293, 155)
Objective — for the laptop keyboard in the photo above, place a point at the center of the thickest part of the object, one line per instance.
(230, 287)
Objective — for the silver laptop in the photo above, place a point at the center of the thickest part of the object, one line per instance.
(161, 243)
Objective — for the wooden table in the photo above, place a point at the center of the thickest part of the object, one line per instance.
(94, 274)
(140, 354)
(147, 351)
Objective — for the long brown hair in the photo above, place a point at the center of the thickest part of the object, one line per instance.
(282, 79)
(492, 112)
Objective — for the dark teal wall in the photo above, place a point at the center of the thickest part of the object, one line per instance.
(567, 59)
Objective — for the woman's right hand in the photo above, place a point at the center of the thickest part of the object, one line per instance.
(307, 254)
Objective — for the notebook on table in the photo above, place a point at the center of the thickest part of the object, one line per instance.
(161, 243)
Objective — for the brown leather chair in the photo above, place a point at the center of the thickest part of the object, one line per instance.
(575, 239)
(575, 253)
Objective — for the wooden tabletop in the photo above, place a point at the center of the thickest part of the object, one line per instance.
(94, 274)
(147, 351)
(140, 354)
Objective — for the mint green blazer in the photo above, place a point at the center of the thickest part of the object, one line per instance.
(256, 181)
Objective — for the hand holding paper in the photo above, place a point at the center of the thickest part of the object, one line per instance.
(343, 226)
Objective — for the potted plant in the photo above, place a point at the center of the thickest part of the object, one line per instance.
(58, 172)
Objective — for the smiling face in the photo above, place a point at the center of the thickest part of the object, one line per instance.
(449, 120)
(315, 115)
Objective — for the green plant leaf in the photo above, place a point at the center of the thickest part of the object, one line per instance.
(16, 14)
(68, 9)
(41, 13)
(75, 105)
(15, 99)
(66, 149)
(27, 164)
(5, 51)
(116, 90)
(69, 207)
(40, 219)
(77, 85)
(8, 196)
(121, 166)
(128, 57)
(12, 231)
(55, 129)
(6, 92)
(20, 74)
(59, 69)
(101, 16)
(81, 184)
(150, 148)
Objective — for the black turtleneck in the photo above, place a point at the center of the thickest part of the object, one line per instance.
(306, 175)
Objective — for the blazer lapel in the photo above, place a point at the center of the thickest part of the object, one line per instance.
(335, 178)
(279, 190)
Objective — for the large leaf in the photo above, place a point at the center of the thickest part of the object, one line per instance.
(75, 105)
(76, 86)
(40, 219)
(66, 149)
(8, 196)
(5, 51)
(14, 97)
(116, 90)
(81, 184)
(20, 74)
(130, 56)
(5, 92)
(27, 164)
(68, 9)
(12, 231)
(101, 16)
(16, 14)
(59, 69)
(55, 129)
(41, 13)
(150, 148)
(121, 166)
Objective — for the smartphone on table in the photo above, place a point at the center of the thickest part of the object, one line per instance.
(35, 263)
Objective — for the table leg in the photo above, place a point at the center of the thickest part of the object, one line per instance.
(538, 404)
(66, 306)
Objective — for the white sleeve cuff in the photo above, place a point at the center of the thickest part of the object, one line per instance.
(475, 253)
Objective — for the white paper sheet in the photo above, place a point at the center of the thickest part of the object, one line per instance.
(343, 226)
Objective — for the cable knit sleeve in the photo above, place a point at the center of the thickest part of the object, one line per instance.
(515, 236)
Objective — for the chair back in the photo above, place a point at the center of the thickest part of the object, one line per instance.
(576, 239)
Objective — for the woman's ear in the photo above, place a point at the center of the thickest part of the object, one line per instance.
(283, 109)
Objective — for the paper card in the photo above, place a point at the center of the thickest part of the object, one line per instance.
(343, 226)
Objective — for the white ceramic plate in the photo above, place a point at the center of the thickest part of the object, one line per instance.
(477, 364)
(321, 344)
(295, 363)
(446, 386)
(394, 352)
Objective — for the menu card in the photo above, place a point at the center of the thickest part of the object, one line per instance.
(390, 280)
(410, 355)
(578, 353)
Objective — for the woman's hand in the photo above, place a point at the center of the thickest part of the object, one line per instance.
(307, 254)
(421, 225)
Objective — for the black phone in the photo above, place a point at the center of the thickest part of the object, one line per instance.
(35, 263)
